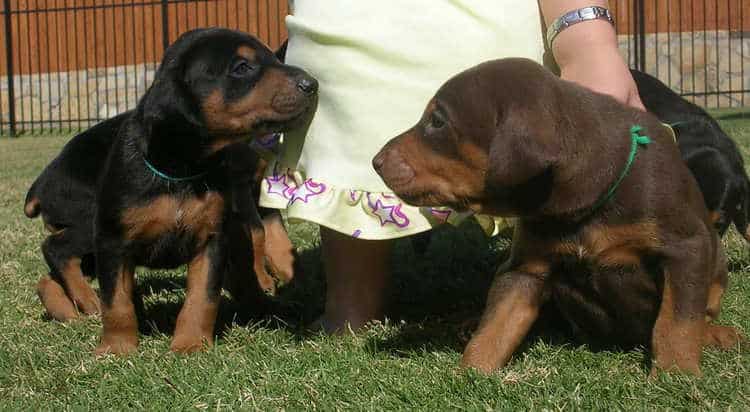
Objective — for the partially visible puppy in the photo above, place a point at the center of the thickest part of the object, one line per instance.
(177, 185)
(612, 232)
(64, 194)
(711, 155)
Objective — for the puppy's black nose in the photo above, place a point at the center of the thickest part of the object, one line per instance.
(307, 84)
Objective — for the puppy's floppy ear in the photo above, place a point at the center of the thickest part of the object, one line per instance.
(168, 99)
(522, 155)
(520, 150)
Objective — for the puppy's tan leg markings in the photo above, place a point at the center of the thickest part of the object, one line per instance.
(714, 216)
(119, 323)
(677, 339)
(513, 306)
(265, 280)
(715, 292)
(195, 323)
(31, 209)
(718, 336)
(723, 337)
(279, 248)
(79, 290)
(55, 301)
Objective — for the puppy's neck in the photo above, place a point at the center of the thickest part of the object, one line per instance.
(594, 155)
(175, 151)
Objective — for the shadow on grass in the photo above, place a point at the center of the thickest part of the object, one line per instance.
(294, 306)
(438, 291)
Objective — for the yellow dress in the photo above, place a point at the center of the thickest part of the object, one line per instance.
(378, 64)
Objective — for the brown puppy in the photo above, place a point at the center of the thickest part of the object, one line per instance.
(626, 255)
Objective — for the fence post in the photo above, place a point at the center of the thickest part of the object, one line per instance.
(164, 23)
(9, 62)
(639, 34)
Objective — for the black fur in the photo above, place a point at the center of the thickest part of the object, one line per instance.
(101, 175)
(712, 156)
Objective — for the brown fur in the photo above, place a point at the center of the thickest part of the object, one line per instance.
(677, 343)
(120, 326)
(79, 290)
(266, 281)
(507, 138)
(195, 323)
(31, 208)
(232, 118)
(55, 301)
(200, 216)
(278, 249)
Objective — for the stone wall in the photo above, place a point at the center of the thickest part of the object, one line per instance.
(48, 99)
(699, 62)
(687, 62)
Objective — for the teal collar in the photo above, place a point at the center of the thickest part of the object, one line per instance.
(172, 178)
(680, 123)
(637, 139)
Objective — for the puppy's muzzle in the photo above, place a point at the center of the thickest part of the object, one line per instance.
(392, 167)
(299, 92)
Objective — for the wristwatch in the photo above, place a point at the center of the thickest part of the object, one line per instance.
(576, 16)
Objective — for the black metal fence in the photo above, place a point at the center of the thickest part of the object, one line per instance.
(69, 63)
(697, 47)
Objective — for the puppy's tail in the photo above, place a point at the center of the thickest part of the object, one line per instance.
(32, 207)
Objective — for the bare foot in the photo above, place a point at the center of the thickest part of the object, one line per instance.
(357, 273)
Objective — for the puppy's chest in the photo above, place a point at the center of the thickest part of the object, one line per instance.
(193, 217)
(605, 246)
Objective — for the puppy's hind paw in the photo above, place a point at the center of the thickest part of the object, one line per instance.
(55, 301)
(725, 338)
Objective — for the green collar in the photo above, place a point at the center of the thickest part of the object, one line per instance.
(636, 140)
(172, 178)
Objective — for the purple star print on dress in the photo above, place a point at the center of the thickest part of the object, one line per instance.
(306, 191)
(387, 213)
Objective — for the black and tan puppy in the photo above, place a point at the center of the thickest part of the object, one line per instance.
(177, 183)
(624, 250)
(711, 155)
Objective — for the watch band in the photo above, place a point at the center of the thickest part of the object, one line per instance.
(577, 16)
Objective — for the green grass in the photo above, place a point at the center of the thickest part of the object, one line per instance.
(269, 362)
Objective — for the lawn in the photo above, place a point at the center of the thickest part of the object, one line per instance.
(270, 362)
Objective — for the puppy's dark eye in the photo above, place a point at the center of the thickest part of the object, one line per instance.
(437, 121)
(242, 68)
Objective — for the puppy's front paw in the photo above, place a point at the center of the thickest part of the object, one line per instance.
(279, 251)
(266, 282)
(186, 344)
(88, 302)
(679, 364)
(116, 345)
